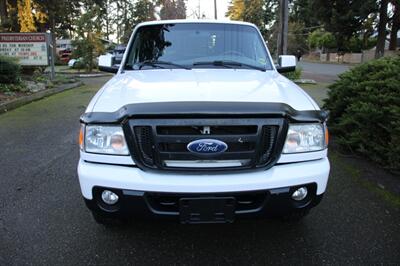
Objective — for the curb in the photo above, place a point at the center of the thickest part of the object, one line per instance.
(84, 75)
(94, 75)
(7, 106)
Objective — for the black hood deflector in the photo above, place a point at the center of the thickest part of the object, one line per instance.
(204, 110)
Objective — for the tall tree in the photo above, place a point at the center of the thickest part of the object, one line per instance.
(131, 15)
(260, 12)
(236, 10)
(343, 18)
(383, 19)
(25, 16)
(143, 11)
(89, 32)
(3, 13)
(59, 16)
(107, 12)
(172, 9)
(9, 16)
(301, 12)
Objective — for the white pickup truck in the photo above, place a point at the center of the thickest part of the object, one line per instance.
(198, 125)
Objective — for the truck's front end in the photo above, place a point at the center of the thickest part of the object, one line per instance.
(199, 126)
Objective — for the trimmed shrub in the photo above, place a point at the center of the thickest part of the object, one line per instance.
(294, 74)
(79, 65)
(10, 70)
(364, 109)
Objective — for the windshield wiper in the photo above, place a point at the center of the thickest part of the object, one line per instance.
(228, 64)
(156, 63)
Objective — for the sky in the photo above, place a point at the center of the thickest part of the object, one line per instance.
(207, 8)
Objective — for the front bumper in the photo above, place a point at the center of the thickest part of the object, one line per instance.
(133, 178)
(148, 194)
(250, 204)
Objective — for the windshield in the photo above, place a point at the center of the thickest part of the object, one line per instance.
(198, 45)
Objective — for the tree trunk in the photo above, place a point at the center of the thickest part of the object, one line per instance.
(3, 13)
(383, 19)
(13, 16)
(395, 26)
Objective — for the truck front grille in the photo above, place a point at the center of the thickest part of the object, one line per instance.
(162, 143)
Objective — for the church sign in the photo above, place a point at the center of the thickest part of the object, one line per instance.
(31, 49)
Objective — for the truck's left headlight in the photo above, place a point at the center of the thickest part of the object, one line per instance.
(305, 138)
(104, 139)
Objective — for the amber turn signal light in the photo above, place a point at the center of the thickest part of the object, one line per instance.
(326, 136)
(81, 135)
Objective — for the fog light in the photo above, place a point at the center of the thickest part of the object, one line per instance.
(300, 194)
(109, 197)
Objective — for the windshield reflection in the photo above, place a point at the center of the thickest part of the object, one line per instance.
(185, 44)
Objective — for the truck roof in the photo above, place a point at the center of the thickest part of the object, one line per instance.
(195, 21)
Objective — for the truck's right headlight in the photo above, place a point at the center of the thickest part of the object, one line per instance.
(305, 138)
(105, 139)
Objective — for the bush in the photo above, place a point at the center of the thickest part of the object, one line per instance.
(364, 109)
(10, 70)
(79, 65)
(294, 74)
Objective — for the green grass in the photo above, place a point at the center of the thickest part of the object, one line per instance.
(355, 174)
(318, 92)
(314, 86)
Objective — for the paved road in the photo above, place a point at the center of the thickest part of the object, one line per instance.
(43, 220)
(322, 72)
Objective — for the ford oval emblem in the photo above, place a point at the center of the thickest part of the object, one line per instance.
(207, 146)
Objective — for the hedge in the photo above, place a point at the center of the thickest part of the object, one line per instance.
(364, 109)
(10, 70)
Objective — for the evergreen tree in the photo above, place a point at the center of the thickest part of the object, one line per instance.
(343, 18)
(262, 13)
(172, 9)
(88, 29)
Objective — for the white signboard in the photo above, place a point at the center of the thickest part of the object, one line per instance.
(29, 48)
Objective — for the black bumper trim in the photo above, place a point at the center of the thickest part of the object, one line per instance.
(260, 203)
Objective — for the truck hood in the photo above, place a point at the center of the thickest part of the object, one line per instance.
(221, 85)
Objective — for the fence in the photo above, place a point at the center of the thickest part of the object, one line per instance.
(353, 58)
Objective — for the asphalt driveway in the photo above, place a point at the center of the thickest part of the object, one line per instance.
(322, 72)
(43, 219)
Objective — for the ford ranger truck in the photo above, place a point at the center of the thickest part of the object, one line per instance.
(199, 126)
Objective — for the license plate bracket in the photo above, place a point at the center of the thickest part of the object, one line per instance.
(207, 210)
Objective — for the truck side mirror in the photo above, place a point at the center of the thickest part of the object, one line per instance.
(106, 63)
(286, 63)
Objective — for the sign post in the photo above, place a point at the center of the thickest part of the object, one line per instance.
(52, 58)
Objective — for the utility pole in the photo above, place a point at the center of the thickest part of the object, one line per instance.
(215, 9)
(199, 10)
(283, 27)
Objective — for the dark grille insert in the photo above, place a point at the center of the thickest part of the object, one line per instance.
(268, 139)
(161, 143)
(215, 130)
(144, 138)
